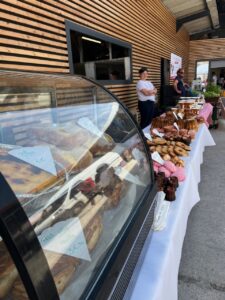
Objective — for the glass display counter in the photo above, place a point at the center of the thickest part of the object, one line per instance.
(76, 186)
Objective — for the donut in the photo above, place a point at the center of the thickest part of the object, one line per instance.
(159, 141)
(180, 151)
(166, 157)
(184, 146)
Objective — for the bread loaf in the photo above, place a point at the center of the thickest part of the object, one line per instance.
(8, 271)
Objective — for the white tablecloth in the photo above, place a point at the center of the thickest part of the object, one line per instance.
(156, 274)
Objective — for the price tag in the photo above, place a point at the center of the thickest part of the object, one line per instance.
(156, 132)
(180, 115)
(175, 115)
(176, 126)
(148, 136)
(156, 157)
(39, 156)
(86, 123)
(66, 237)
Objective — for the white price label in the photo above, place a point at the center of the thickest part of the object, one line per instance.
(175, 115)
(180, 115)
(148, 136)
(39, 156)
(176, 126)
(86, 123)
(156, 157)
(66, 237)
(156, 132)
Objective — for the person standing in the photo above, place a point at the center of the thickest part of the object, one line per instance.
(146, 98)
(179, 85)
(214, 78)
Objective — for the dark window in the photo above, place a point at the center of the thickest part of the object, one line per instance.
(98, 56)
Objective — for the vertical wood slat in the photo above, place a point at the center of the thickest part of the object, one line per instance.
(36, 28)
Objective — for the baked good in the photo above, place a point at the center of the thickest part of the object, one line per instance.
(23, 177)
(160, 181)
(62, 268)
(93, 231)
(173, 181)
(170, 193)
(103, 145)
(184, 146)
(180, 174)
(109, 183)
(180, 151)
(169, 166)
(60, 137)
(164, 170)
(74, 160)
(8, 272)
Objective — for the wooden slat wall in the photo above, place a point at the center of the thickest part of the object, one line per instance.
(204, 49)
(33, 38)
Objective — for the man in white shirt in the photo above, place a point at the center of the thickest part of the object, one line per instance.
(214, 78)
(146, 98)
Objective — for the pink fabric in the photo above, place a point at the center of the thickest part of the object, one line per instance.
(206, 113)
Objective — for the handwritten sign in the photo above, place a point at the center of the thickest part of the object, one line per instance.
(39, 156)
(66, 237)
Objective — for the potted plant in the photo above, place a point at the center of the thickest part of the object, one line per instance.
(212, 93)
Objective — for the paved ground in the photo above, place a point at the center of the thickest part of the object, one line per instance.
(202, 268)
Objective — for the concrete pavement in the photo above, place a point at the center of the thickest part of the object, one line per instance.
(202, 267)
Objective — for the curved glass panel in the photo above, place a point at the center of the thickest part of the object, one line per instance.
(77, 164)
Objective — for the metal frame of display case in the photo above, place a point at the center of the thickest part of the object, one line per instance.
(24, 247)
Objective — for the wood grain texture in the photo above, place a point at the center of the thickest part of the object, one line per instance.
(33, 36)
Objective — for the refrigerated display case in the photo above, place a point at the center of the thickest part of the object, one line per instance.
(76, 189)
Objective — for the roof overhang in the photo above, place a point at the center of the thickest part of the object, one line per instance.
(201, 18)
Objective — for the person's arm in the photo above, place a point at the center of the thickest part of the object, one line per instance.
(175, 87)
(148, 92)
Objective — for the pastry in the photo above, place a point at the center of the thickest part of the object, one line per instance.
(180, 151)
(103, 145)
(170, 193)
(62, 268)
(164, 170)
(109, 183)
(59, 137)
(170, 166)
(93, 231)
(8, 272)
(23, 177)
(74, 160)
(180, 174)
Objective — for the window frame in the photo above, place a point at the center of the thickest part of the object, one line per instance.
(71, 26)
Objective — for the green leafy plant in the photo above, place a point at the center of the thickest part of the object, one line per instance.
(212, 91)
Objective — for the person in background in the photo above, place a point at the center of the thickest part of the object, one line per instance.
(214, 78)
(146, 98)
(179, 86)
(221, 78)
